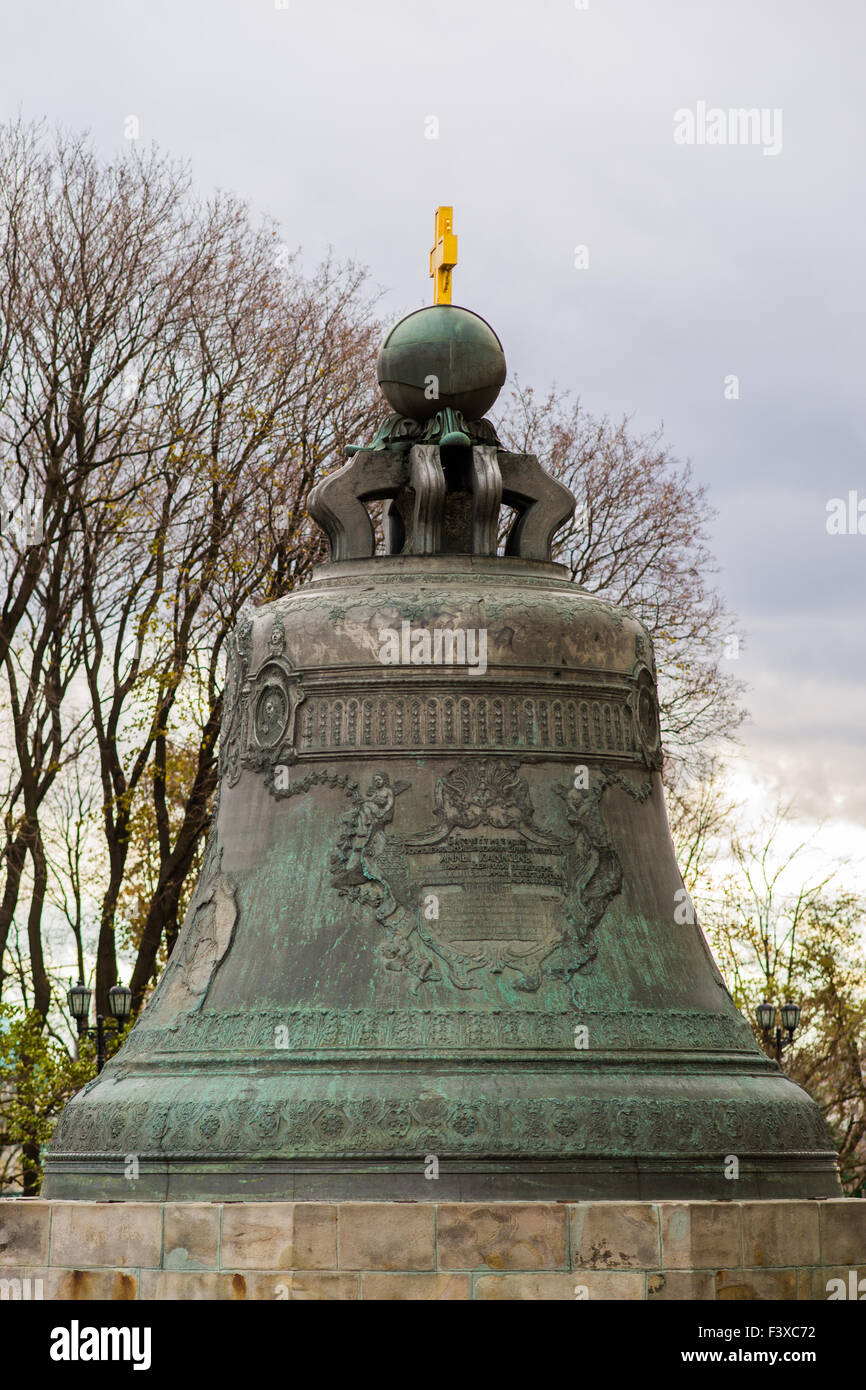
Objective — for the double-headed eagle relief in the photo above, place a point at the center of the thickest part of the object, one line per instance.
(486, 792)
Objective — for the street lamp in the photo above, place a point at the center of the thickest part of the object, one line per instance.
(120, 1004)
(765, 1013)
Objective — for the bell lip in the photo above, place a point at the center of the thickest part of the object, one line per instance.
(797, 1177)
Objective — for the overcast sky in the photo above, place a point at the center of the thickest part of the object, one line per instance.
(556, 127)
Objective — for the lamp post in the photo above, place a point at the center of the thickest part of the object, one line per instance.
(120, 1004)
(765, 1013)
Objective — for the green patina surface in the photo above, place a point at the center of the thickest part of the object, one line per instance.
(316, 1034)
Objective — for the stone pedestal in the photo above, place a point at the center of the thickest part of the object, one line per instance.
(432, 1250)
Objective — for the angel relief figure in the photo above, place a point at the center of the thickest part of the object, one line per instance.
(593, 869)
(599, 878)
(370, 818)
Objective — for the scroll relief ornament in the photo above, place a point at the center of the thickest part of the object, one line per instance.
(483, 890)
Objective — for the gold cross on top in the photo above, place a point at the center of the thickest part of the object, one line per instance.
(443, 257)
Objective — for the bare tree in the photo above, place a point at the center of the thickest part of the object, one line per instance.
(80, 300)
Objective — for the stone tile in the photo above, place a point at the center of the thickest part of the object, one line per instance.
(386, 1235)
(427, 1288)
(700, 1235)
(614, 1235)
(505, 1235)
(191, 1235)
(197, 1286)
(780, 1233)
(843, 1232)
(749, 1285)
(681, 1285)
(248, 1285)
(278, 1235)
(24, 1226)
(309, 1286)
(579, 1286)
(86, 1285)
(100, 1235)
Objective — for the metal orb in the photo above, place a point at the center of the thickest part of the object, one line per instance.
(441, 356)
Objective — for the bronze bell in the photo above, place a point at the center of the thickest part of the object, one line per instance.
(437, 948)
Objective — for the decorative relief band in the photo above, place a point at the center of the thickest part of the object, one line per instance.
(435, 1029)
(437, 722)
(618, 1126)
